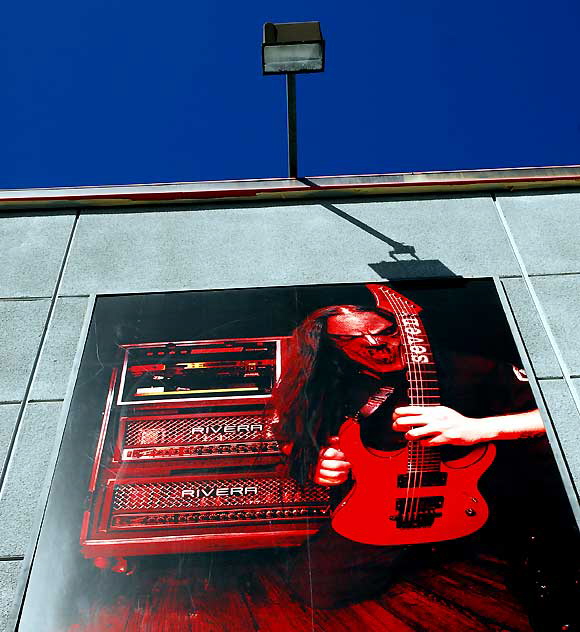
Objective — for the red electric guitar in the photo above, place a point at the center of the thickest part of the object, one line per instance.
(410, 496)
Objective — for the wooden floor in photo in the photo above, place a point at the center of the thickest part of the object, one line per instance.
(247, 593)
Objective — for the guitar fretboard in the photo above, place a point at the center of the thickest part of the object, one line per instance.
(421, 375)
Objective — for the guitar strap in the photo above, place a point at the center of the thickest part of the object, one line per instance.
(375, 400)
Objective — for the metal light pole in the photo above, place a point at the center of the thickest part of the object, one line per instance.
(292, 137)
(291, 48)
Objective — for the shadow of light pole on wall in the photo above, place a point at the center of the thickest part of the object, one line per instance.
(405, 263)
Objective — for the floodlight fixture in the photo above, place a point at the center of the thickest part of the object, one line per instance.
(292, 47)
(288, 49)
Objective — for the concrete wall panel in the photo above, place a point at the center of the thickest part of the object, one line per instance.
(59, 349)
(566, 420)
(547, 230)
(312, 243)
(560, 299)
(22, 326)
(9, 571)
(538, 347)
(161, 251)
(8, 417)
(31, 253)
(464, 233)
(25, 477)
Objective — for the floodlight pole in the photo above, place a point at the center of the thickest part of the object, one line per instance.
(289, 48)
(292, 137)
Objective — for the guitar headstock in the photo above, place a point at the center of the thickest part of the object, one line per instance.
(390, 300)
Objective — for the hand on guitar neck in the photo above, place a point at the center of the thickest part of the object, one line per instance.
(437, 425)
(440, 425)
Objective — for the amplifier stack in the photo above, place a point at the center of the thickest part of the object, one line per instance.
(187, 459)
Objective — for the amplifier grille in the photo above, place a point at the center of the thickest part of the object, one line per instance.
(143, 432)
(198, 436)
(194, 494)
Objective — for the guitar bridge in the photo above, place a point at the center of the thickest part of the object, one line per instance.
(414, 513)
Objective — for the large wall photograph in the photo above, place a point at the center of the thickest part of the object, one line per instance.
(329, 457)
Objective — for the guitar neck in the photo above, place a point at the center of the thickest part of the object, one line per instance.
(421, 374)
(423, 391)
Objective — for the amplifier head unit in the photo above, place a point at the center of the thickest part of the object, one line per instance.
(149, 515)
(226, 438)
(243, 369)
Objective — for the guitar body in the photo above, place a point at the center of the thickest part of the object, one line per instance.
(392, 505)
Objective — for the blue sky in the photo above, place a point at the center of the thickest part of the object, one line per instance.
(113, 92)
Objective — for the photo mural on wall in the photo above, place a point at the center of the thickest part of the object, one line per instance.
(323, 457)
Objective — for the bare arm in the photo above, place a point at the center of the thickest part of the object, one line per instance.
(439, 425)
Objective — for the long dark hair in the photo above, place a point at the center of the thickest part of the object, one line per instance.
(310, 396)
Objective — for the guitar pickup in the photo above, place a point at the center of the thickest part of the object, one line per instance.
(422, 479)
(425, 504)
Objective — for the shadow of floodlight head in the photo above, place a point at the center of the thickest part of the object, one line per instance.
(412, 269)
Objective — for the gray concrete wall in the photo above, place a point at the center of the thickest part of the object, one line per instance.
(51, 263)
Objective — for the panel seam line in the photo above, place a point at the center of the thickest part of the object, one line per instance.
(47, 322)
(566, 373)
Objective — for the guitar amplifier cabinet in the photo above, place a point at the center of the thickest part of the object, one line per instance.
(197, 404)
(242, 370)
(148, 515)
(230, 438)
(187, 459)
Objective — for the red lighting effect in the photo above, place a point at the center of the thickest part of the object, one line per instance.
(140, 369)
(120, 565)
(102, 562)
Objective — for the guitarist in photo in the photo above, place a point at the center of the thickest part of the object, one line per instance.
(401, 433)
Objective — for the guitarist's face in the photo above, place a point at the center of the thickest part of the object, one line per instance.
(367, 338)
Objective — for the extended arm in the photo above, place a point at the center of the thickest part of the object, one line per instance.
(439, 425)
(436, 425)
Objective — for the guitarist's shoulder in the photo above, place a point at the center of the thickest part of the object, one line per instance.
(464, 366)
(463, 371)
(484, 383)
(472, 365)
